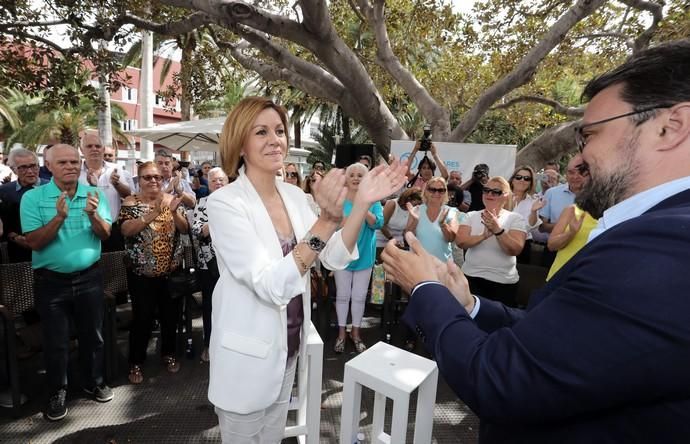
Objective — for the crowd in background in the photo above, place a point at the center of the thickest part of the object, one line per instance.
(486, 224)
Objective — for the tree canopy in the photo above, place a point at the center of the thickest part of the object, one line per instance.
(509, 71)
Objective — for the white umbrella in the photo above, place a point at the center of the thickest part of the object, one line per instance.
(192, 135)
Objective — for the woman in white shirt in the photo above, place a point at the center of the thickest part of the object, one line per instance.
(526, 204)
(492, 238)
(266, 237)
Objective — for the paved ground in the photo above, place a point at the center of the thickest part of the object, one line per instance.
(174, 409)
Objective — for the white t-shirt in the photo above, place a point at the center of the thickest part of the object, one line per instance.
(396, 225)
(487, 260)
(524, 208)
(111, 193)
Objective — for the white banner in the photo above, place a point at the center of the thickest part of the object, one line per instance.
(463, 156)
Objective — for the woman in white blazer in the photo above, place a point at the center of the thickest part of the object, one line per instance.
(266, 237)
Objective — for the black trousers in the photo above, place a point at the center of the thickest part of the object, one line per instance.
(149, 293)
(208, 279)
(60, 297)
(505, 293)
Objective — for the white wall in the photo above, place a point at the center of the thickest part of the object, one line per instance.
(463, 156)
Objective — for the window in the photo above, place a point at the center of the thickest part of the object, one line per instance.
(129, 125)
(159, 101)
(129, 95)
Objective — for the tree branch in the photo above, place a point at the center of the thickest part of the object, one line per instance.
(35, 24)
(316, 17)
(428, 106)
(272, 73)
(629, 42)
(183, 26)
(39, 39)
(526, 68)
(553, 143)
(557, 106)
(656, 9)
(286, 59)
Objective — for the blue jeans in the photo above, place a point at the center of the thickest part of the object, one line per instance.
(59, 297)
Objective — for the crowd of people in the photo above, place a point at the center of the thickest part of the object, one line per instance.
(454, 247)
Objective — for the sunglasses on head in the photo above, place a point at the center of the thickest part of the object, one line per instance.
(291, 175)
(525, 178)
(493, 191)
(152, 177)
(436, 190)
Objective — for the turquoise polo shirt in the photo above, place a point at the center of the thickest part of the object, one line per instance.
(75, 247)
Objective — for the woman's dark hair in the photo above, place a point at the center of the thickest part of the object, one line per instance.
(424, 160)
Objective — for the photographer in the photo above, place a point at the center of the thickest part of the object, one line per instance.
(427, 167)
(480, 176)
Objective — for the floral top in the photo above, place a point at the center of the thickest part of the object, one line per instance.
(156, 250)
(204, 249)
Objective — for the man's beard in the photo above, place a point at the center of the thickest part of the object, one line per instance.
(601, 193)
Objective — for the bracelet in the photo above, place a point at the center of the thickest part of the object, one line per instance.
(300, 260)
(503, 230)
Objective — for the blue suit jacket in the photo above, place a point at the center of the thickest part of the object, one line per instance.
(602, 353)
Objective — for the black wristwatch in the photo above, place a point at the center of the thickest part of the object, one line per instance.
(314, 242)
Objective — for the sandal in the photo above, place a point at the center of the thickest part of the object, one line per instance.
(135, 375)
(339, 346)
(171, 364)
(359, 345)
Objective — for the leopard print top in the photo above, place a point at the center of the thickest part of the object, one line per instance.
(156, 250)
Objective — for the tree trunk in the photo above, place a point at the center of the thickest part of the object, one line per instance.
(552, 144)
(105, 130)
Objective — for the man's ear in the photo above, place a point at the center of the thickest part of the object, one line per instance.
(675, 127)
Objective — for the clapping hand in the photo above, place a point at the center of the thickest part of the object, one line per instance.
(381, 182)
(91, 203)
(538, 204)
(174, 204)
(408, 268)
(329, 194)
(114, 177)
(92, 178)
(412, 211)
(576, 222)
(445, 226)
(61, 205)
(490, 221)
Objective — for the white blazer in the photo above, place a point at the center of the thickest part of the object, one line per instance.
(248, 347)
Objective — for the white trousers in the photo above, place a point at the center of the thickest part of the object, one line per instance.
(266, 426)
(351, 286)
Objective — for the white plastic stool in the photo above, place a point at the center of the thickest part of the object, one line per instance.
(392, 373)
(308, 399)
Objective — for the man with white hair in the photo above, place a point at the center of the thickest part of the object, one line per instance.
(64, 223)
(24, 164)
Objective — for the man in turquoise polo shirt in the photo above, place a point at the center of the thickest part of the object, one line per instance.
(64, 222)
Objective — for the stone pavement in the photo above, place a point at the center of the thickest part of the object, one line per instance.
(173, 408)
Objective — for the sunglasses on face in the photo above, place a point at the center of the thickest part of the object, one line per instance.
(291, 175)
(525, 178)
(493, 191)
(436, 190)
(152, 177)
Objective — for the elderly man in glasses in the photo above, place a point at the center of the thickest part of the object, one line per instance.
(24, 164)
(115, 182)
(559, 198)
(601, 353)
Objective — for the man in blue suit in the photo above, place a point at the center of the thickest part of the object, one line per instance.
(602, 353)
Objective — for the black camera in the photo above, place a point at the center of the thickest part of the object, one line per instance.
(425, 142)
